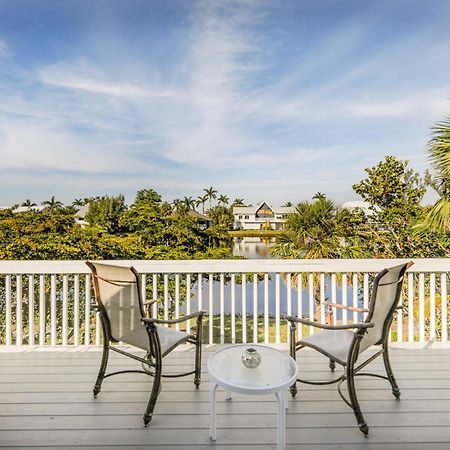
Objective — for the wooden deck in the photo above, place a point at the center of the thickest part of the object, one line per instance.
(46, 402)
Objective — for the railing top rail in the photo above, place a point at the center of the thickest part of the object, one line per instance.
(229, 266)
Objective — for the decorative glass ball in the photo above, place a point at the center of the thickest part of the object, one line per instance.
(251, 358)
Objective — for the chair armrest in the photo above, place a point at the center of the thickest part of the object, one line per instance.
(149, 302)
(171, 322)
(359, 325)
(349, 308)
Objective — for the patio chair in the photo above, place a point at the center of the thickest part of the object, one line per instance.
(343, 344)
(126, 318)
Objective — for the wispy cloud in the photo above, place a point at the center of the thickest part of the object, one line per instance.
(233, 95)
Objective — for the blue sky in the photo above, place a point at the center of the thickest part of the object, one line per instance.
(259, 99)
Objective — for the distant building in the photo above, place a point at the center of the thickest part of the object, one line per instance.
(80, 215)
(202, 221)
(260, 217)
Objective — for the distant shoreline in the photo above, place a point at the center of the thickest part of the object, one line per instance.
(256, 233)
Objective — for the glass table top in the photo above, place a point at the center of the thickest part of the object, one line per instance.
(275, 371)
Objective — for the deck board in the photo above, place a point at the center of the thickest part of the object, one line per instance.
(46, 402)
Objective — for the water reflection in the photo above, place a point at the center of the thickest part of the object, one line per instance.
(253, 247)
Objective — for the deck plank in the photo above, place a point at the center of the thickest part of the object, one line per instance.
(46, 402)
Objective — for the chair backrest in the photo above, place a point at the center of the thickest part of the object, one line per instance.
(118, 297)
(386, 291)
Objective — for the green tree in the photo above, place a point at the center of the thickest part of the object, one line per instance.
(211, 194)
(394, 192)
(78, 203)
(223, 200)
(438, 218)
(52, 204)
(319, 196)
(105, 213)
(318, 230)
(189, 203)
(238, 202)
(28, 204)
(201, 200)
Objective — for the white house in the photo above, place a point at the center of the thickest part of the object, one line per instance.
(262, 216)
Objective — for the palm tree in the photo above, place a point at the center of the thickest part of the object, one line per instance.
(223, 200)
(319, 196)
(28, 204)
(211, 193)
(201, 200)
(52, 204)
(238, 202)
(439, 148)
(288, 204)
(317, 230)
(189, 202)
(78, 203)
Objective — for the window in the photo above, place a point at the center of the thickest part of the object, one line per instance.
(247, 217)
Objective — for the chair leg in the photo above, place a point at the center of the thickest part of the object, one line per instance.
(198, 364)
(198, 352)
(390, 373)
(102, 370)
(292, 329)
(156, 388)
(354, 400)
(332, 365)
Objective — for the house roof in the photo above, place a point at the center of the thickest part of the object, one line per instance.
(82, 212)
(253, 209)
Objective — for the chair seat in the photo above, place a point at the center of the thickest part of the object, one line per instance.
(169, 338)
(332, 343)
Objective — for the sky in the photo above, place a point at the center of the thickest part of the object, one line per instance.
(262, 100)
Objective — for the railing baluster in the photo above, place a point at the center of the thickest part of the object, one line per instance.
(365, 293)
(344, 298)
(76, 309)
(188, 301)
(288, 302)
(53, 309)
(166, 297)
(233, 308)
(65, 293)
(177, 299)
(255, 308)
(87, 310)
(333, 296)
(200, 291)
(30, 310)
(266, 308)
(277, 308)
(444, 310)
(355, 297)
(244, 308)
(421, 307)
(410, 307)
(322, 297)
(222, 308)
(210, 307)
(155, 295)
(432, 307)
(311, 301)
(8, 309)
(299, 304)
(42, 310)
(19, 325)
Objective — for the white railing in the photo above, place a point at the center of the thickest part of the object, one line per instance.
(50, 302)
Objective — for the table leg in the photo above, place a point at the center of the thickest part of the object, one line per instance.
(281, 420)
(227, 395)
(212, 411)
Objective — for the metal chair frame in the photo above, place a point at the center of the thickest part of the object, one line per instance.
(152, 362)
(350, 371)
